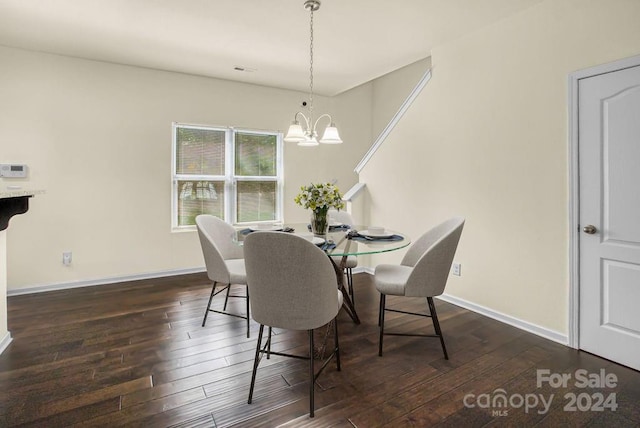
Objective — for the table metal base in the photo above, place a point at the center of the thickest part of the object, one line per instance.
(347, 304)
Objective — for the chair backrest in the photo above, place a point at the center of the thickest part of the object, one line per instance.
(341, 217)
(292, 283)
(431, 257)
(216, 239)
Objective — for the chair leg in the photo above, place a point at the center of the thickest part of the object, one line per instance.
(436, 325)
(311, 375)
(226, 298)
(248, 317)
(255, 363)
(206, 311)
(269, 345)
(335, 341)
(381, 322)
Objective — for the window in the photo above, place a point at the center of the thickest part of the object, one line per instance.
(233, 174)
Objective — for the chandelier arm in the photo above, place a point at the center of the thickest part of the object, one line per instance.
(315, 125)
(306, 120)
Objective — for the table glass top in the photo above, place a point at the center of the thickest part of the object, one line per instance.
(339, 242)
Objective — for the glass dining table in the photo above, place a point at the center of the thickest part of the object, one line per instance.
(341, 242)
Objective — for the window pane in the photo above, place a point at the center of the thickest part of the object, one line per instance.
(200, 151)
(256, 154)
(199, 197)
(256, 200)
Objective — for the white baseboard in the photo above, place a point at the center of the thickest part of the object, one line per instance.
(6, 340)
(101, 281)
(498, 316)
(508, 319)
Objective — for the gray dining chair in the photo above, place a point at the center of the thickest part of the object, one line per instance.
(423, 272)
(293, 286)
(351, 262)
(224, 261)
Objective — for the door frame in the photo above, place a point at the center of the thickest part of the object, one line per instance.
(574, 189)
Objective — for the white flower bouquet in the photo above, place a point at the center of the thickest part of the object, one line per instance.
(319, 198)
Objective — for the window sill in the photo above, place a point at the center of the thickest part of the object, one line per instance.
(183, 229)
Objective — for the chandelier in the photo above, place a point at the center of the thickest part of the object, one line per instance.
(308, 135)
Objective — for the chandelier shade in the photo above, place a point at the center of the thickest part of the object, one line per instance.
(331, 135)
(295, 133)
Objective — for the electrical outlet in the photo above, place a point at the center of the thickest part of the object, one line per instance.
(456, 269)
(66, 258)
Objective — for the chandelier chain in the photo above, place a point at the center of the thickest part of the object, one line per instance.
(311, 65)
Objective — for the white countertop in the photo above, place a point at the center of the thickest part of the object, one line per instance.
(11, 192)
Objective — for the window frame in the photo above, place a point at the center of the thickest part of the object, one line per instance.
(230, 179)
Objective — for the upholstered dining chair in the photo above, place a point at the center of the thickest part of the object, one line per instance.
(224, 260)
(423, 272)
(293, 286)
(345, 218)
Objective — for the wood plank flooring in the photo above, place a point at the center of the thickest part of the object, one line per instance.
(134, 354)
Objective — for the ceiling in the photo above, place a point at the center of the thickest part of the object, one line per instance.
(355, 40)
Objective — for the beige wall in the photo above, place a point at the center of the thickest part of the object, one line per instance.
(391, 90)
(387, 94)
(487, 139)
(97, 138)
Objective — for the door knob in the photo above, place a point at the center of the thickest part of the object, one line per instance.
(589, 229)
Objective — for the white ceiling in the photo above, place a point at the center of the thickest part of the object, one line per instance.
(355, 40)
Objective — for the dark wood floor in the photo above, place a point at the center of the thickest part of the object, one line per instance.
(134, 354)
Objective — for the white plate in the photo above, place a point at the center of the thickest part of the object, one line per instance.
(383, 234)
(273, 227)
(317, 241)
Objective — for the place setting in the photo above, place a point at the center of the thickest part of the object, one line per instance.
(272, 227)
(325, 244)
(374, 233)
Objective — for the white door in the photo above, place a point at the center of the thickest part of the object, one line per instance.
(609, 168)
